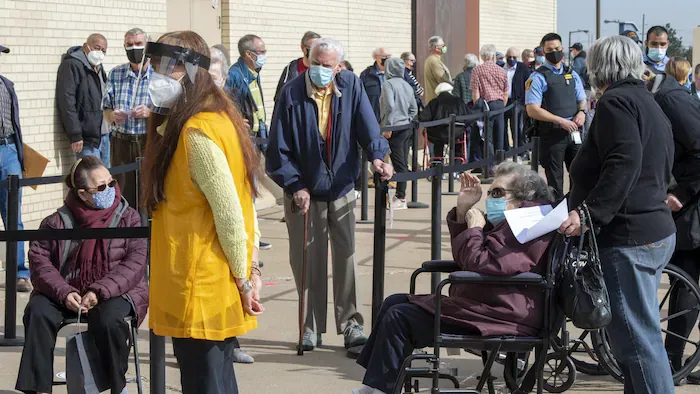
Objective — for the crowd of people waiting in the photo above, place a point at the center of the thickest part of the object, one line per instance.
(191, 117)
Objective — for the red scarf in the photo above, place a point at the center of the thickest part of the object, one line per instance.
(91, 258)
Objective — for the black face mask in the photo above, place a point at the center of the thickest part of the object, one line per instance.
(554, 57)
(382, 61)
(512, 62)
(135, 54)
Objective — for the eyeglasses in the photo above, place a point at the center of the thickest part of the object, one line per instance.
(103, 187)
(497, 192)
(258, 52)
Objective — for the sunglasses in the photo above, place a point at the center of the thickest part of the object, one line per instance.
(497, 192)
(103, 187)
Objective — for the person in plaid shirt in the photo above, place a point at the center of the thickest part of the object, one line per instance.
(126, 107)
(490, 83)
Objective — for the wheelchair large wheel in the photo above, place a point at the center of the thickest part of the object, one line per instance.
(678, 279)
(582, 346)
(515, 368)
(559, 373)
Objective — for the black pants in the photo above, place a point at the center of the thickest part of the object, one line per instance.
(515, 125)
(497, 125)
(123, 152)
(556, 149)
(401, 327)
(106, 324)
(680, 300)
(206, 367)
(398, 143)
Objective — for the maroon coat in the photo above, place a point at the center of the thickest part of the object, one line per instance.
(493, 310)
(127, 266)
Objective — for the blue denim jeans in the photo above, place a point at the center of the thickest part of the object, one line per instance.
(633, 275)
(101, 152)
(9, 165)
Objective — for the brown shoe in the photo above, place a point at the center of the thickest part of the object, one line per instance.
(24, 285)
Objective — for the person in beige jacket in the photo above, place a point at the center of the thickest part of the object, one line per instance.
(434, 70)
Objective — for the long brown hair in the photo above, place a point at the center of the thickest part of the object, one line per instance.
(204, 96)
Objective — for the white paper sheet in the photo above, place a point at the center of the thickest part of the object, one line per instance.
(533, 222)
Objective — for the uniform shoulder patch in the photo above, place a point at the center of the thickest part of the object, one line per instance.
(528, 84)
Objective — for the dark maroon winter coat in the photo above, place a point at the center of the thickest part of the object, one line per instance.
(493, 310)
(127, 266)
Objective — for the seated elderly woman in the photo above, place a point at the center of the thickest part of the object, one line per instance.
(103, 279)
(479, 244)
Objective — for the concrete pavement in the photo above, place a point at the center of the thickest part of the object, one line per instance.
(277, 368)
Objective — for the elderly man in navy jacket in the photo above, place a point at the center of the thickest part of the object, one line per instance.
(319, 119)
(11, 162)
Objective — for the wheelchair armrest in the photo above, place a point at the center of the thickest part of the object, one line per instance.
(523, 279)
(445, 266)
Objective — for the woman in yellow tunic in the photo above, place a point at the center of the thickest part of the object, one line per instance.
(198, 182)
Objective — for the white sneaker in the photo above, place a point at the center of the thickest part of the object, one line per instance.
(399, 204)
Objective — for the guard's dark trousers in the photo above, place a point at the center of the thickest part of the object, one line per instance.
(556, 149)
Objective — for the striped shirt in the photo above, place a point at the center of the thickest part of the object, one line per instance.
(419, 89)
(119, 95)
(6, 128)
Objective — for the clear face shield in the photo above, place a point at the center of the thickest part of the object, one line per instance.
(171, 64)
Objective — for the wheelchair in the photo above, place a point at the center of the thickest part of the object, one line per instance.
(560, 368)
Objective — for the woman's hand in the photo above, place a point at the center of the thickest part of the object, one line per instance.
(250, 305)
(469, 194)
(257, 286)
(572, 225)
(89, 301)
(73, 301)
(673, 202)
(475, 218)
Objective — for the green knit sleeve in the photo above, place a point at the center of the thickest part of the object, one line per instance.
(210, 172)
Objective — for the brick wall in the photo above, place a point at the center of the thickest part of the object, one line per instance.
(360, 25)
(38, 32)
(508, 23)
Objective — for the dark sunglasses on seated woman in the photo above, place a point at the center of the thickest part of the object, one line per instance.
(103, 187)
(497, 192)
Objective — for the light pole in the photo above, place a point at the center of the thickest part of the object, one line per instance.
(574, 32)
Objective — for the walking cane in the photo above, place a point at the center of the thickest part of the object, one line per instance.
(302, 297)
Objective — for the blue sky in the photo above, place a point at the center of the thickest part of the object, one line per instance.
(580, 14)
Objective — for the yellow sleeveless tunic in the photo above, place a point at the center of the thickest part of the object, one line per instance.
(192, 291)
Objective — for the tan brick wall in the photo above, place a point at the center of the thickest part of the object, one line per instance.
(518, 23)
(38, 33)
(360, 25)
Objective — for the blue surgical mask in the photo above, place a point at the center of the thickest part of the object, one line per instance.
(320, 76)
(500, 63)
(495, 209)
(541, 59)
(260, 61)
(656, 54)
(105, 198)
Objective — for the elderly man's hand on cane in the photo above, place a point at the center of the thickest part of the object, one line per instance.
(386, 170)
(302, 199)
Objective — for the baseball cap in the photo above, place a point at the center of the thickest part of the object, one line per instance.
(539, 51)
(4, 49)
(499, 55)
(578, 46)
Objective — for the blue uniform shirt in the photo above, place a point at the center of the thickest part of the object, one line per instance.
(536, 85)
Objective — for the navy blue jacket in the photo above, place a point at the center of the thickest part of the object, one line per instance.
(295, 156)
(373, 87)
(15, 119)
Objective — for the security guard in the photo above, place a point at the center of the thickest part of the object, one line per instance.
(555, 99)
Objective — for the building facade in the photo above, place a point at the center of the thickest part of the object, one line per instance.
(38, 32)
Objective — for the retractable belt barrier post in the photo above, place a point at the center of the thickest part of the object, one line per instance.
(364, 195)
(10, 337)
(515, 125)
(157, 348)
(535, 157)
(500, 156)
(414, 203)
(487, 141)
(380, 195)
(451, 176)
(435, 222)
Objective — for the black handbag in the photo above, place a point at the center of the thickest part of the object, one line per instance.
(582, 292)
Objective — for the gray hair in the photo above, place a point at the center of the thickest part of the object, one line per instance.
(135, 32)
(406, 56)
(375, 51)
(327, 44)
(525, 184)
(247, 43)
(487, 52)
(470, 61)
(434, 41)
(612, 59)
(218, 61)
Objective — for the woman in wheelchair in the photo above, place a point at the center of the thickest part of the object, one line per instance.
(104, 279)
(479, 244)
